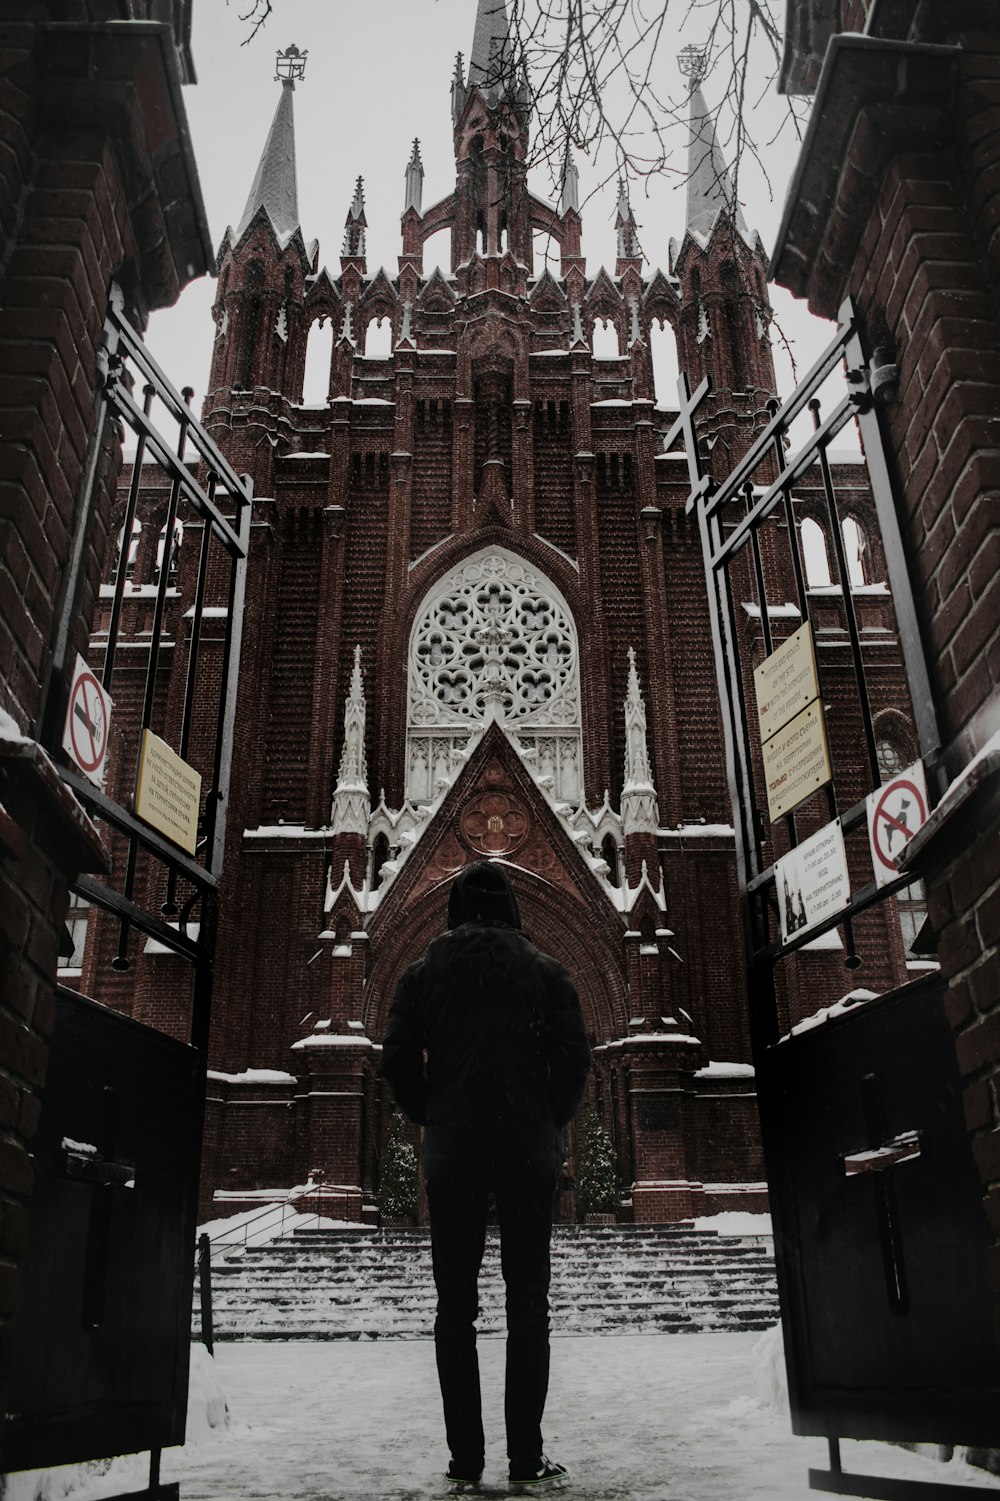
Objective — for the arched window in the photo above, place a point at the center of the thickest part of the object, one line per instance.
(378, 338)
(133, 549)
(814, 553)
(319, 358)
(609, 850)
(545, 251)
(666, 369)
(494, 640)
(175, 550)
(734, 297)
(380, 854)
(437, 251)
(604, 339)
(253, 286)
(855, 548)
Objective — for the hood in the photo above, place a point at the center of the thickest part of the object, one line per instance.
(482, 893)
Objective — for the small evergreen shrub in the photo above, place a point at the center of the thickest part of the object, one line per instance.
(599, 1186)
(397, 1187)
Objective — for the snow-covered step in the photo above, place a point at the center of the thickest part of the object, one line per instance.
(328, 1284)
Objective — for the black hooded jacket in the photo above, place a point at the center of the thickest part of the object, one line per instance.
(501, 1029)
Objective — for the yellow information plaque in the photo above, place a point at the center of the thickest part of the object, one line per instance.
(786, 681)
(796, 761)
(167, 792)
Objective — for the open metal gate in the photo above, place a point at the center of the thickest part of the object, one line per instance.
(880, 1238)
(102, 1339)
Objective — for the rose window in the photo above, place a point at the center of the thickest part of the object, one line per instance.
(494, 640)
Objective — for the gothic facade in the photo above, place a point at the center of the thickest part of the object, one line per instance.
(476, 626)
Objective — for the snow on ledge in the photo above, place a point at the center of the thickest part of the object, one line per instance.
(725, 1071)
(835, 589)
(775, 612)
(681, 1037)
(334, 1040)
(699, 831)
(11, 732)
(253, 1076)
(285, 831)
(735, 1222)
(848, 1002)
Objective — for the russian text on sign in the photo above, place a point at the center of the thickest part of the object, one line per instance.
(796, 761)
(786, 681)
(812, 881)
(167, 792)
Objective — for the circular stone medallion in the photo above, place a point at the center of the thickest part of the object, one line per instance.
(494, 823)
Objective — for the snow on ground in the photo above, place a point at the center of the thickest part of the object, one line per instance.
(735, 1222)
(638, 1417)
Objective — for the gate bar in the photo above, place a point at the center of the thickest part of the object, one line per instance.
(892, 1488)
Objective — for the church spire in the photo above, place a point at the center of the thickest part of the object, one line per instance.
(351, 802)
(354, 232)
(569, 199)
(490, 63)
(626, 228)
(274, 186)
(640, 813)
(414, 180)
(709, 185)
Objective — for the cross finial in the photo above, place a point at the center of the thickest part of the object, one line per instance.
(693, 63)
(290, 65)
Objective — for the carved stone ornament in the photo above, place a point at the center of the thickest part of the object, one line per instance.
(495, 823)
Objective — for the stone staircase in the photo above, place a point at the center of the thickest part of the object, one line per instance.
(357, 1284)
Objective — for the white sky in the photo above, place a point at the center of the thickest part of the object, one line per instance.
(356, 113)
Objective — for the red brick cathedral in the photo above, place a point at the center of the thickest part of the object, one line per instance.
(476, 626)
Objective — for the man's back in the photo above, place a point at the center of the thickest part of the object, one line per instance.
(506, 1053)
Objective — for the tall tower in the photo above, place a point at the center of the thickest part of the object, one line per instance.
(263, 265)
(721, 265)
(490, 113)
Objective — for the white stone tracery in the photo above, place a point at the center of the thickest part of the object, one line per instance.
(493, 641)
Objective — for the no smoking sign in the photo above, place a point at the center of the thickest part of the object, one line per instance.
(88, 722)
(895, 812)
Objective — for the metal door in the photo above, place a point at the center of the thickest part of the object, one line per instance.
(880, 1237)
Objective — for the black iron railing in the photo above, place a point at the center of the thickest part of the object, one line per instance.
(204, 489)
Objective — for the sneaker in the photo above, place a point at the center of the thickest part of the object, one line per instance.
(539, 1476)
(462, 1477)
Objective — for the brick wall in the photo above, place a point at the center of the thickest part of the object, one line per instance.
(74, 164)
(916, 244)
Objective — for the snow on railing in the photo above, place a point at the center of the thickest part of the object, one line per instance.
(268, 1223)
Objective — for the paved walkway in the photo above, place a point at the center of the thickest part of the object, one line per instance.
(642, 1417)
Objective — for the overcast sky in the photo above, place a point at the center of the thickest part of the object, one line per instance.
(377, 75)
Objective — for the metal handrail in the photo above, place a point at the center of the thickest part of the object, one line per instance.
(262, 1222)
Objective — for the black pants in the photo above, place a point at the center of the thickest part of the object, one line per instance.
(458, 1238)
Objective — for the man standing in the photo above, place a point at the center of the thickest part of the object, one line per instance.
(487, 1050)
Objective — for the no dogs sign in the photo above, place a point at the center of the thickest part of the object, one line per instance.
(895, 812)
(88, 722)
